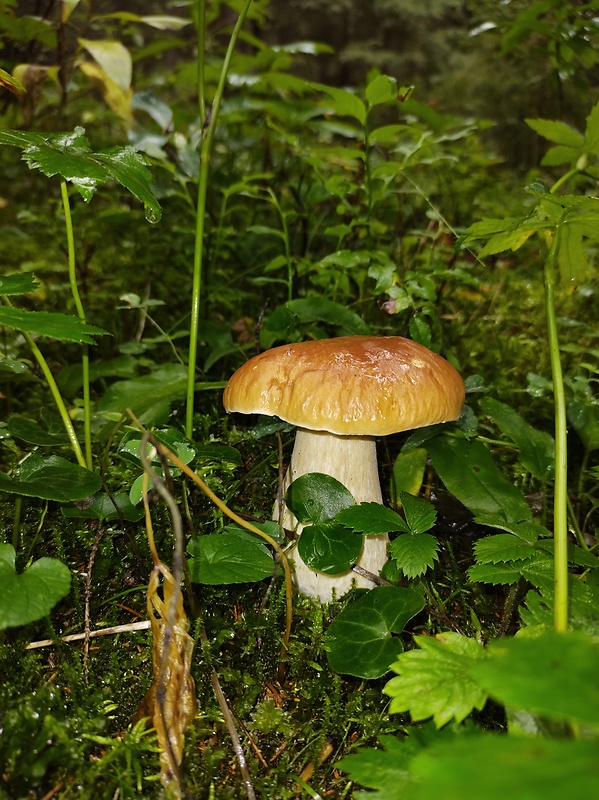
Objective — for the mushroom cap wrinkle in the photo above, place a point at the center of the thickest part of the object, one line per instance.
(349, 386)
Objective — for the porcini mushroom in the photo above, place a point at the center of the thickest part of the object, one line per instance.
(341, 393)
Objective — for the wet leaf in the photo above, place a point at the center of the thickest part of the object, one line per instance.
(52, 478)
(316, 497)
(329, 548)
(228, 557)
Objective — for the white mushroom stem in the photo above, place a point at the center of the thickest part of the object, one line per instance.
(352, 461)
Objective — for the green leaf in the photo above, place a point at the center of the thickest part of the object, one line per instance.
(571, 255)
(21, 283)
(221, 558)
(554, 674)
(408, 471)
(414, 553)
(316, 497)
(371, 518)
(29, 431)
(32, 594)
(128, 168)
(496, 767)
(359, 639)
(321, 309)
(591, 137)
(382, 89)
(164, 383)
(420, 514)
(52, 478)
(537, 448)
(502, 547)
(557, 132)
(435, 681)
(496, 575)
(329, 548)
(343, 102)
(584, 418)
(385, 770)
(63, 327)
(106, 508)
(470, 474)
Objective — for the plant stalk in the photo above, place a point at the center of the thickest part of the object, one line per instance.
(87, 425)
(560, 503)
(209, 125)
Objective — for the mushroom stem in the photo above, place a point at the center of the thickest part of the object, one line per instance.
(352, 461)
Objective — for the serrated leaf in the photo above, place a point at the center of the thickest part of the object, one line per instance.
(21, 283)
(498, 767)
(63, 327)
(537, 448)
(359, 639)
(414, 553)
(420, 514)
(384, 770)
(128, 168)
(329, 548)
(501, 548)
(558, 155)
(32, 594)
(52, 478)
(556, 131)
(435, 681)
(316, 497)
(221, 558)
(372, 518)
(491, 573)
(553, 674)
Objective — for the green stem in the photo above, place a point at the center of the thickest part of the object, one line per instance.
(288, 259)
(560, 503)
(201, 77)
(87, 424)
(205, 152)
(60, 404)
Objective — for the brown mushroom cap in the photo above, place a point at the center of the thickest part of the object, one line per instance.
(349, 386)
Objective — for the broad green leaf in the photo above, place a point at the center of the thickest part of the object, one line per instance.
(537, 448)
(316, 497)
(77, 168)
(63, 327)
(501, 548)
(435, 680)
(571, 255)
(343, 102)
(553, 674)
(494, 767)
(52, 478)
(558, 132)
(220, 558)
(113, 57)
(558, 155)
(30, 431)
(387, 134)
(32, 594)
(470, 474)
(359, 639)
(329, 548)
(382, 89)
(164, 383)
(414, 553)
(512, 239)
(106, 507)
(371, 518)
(420, 514)
(21, 283)
(408, 471)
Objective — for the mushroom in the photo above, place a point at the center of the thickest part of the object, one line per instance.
(341, 393)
